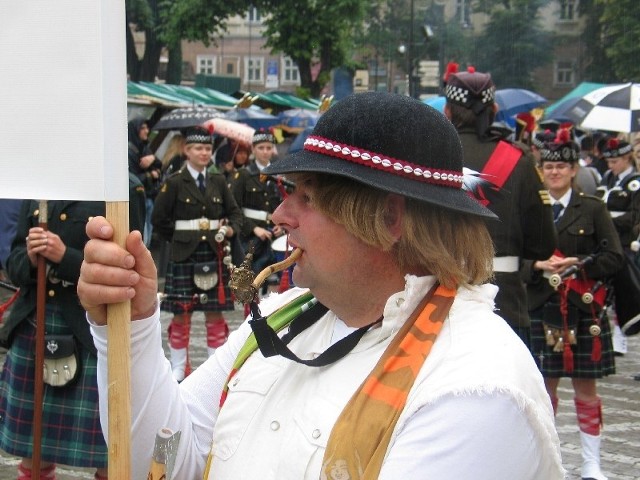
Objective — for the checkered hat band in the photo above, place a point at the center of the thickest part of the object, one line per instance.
(463, 96)
(263, 137)
(198, 138)
(562, 154)
(618, 152)
(447, 178)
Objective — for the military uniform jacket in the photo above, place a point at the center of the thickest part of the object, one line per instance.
(623, 201)
(180, 199)
(584, 224)
(252, 193)
(525, 230)
(67, 219)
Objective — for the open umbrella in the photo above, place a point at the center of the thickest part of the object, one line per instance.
(516, 100)
(228, 128)
(615, 108)
(253, 117)
(186, 117)
(298, 142)
(436, 102)
(298, 118)
(511, 101)
(560, 110)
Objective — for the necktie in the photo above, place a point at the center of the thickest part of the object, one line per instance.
(613, 179)
(557, 208)
(201, 182)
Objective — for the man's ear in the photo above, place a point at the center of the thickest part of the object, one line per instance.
(395, 214)
(447, 111)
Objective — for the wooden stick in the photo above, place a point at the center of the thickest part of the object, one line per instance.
(38, 381)
(276, 267)
(119, 362)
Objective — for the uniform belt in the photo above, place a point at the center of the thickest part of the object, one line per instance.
(256, 214)
(506, 264)
(615, 214)
(197, 224)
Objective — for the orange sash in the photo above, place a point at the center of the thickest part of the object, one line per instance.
(361, 435)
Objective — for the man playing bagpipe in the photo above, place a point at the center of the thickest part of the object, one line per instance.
(571, 336)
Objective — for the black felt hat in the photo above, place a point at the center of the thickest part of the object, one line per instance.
(390, 142)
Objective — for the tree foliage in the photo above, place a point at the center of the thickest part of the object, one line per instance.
(513, 43)
(310, 31)
(165, 23)
(620, 26)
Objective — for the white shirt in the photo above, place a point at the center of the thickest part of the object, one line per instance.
(478, 408)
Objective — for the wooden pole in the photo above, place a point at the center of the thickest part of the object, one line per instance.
(38, 388)
(119, 362)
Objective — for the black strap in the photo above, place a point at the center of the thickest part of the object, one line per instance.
(271, 344)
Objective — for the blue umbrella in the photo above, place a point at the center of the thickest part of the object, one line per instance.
(253, 117)
(436, 102)
(510, 100)
(560, 110)
(516, 100)
(298, 142)
(298, 118)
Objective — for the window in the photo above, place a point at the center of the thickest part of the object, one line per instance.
(253, 15)
(206, 64)
(564, 73)
(463, 12)
(253, 69)
(568, 9)
(290, 73)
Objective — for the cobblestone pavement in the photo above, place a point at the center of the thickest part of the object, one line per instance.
(620, 396)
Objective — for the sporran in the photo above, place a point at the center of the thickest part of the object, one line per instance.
(61, 362)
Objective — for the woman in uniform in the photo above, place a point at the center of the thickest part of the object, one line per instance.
(569, 339)
(71, 433)
(196, 212)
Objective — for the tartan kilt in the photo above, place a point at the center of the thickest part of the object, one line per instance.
(179, 281)
(71, 432)
(550, 363)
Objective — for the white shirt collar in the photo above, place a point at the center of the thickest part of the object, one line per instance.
(194, 173)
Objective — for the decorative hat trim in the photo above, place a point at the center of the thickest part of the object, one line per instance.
(198, 135)
(263, 135)
(616, 148)
(381, 162)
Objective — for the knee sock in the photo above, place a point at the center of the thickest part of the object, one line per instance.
(589, 416)
(178, 335)
(217, 333)
(48, 473)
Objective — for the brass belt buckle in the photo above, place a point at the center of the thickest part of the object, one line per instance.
(204, 224)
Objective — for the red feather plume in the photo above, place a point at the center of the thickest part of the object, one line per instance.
(452, 67)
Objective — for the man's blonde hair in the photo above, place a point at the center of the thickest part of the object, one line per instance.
(454, 247)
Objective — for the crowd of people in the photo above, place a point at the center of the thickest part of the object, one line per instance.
(428, 300)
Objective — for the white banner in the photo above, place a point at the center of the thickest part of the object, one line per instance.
(63, 110)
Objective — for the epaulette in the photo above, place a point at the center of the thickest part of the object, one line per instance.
(586, 196)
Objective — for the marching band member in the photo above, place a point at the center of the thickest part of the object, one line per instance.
(525, 230)
(71, 433)
(620, 190)
(394, 364)
(191, 210)
(258, 197)
(569, 338)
